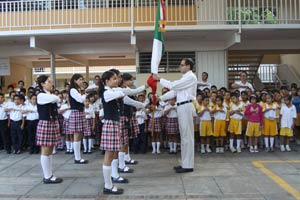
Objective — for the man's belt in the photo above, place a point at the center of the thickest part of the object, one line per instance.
(184, 102)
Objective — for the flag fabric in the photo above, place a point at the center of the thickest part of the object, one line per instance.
(158, 47)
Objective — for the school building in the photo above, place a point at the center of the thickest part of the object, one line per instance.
(224, 37)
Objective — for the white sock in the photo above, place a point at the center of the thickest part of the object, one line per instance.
(202, 146)
(127, 157)
(68, 145)
(90, 144)
(231, 143)
(271, 142)
(51, 165)
(77, 150)
(158, 145)
(107, 176)
(121, 156)
(174, 146)
(154, 146)
(267, 142)
(45, 162)
(85, 144)
(171, 146)
(114, 168)
(71, 145)
(238, 143)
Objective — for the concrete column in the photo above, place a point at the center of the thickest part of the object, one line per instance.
(52, 65)
(87, 73)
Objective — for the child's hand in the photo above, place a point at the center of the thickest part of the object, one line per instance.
(22, 126)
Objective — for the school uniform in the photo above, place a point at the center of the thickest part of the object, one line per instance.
(89, 116)
(205, 125)
(48, 128)
(77, 122)
(270, 124)
(4, 127)
(288, 114)
(66, 116)
(141, 140)
(32, 119)
(220, 117)
(255, 120)
(98, 127)
(235, 123)
(15, 126)
(172, 127)
(111, 134)
(158, 113)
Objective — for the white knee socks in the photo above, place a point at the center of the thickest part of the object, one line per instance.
(45, 162)
(107, 176)
(77, 150)
(121, 156)
(114, 168)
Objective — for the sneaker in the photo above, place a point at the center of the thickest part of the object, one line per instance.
(251, 149)
(202, 150)
(153, 152)
(208, 150)
(158, 151)
(298, 142)
(288, 149)
(233, 150)
(271, 149)
(217, 150)
(267, 149)
(239, 150)
(256, 150)
(282, 149)
(222, 150)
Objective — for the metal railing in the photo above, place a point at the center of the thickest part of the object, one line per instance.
(50, 14)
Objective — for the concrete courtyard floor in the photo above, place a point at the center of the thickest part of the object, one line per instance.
(262, 176)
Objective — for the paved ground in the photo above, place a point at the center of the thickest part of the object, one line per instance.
(268, 176)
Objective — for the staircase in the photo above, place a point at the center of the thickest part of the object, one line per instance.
(238, 62)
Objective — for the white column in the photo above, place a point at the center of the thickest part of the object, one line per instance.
(215, 64)
(52, 65)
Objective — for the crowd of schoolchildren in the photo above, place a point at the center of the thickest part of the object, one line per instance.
(224, 120)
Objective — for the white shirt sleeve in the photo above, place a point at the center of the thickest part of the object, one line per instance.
(128, 91)
(44, 98)
(110, 95)
(294, 112)
(169, 95)
(181, 84)
(128, 101)
(77, 96)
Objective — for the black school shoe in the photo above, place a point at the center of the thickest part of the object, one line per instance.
(129, 171)
(177, 167)
(110, 191)
(131, 162)
(82, 161)
(184, 170)
(49, 181)
(119, 180)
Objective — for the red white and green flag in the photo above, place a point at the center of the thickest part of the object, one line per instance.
(158, 41)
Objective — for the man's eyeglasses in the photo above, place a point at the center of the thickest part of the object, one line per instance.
(182, 65)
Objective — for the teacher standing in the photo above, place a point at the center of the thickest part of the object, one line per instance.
(184, 90)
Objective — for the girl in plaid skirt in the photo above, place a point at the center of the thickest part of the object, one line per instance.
(65, 111)
(110, 140)
(154, 126)
(172, 127)
(77, 122)
(90, 126)
(48, 129)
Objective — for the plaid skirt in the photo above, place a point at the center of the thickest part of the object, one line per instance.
(172, 126)
(157, 125)
(97, 122)
(123, 130)
(47, 133)
(65, 128)
(134, 128)
(110, 139)
(77, 122)
(164, 124)
(88, 128)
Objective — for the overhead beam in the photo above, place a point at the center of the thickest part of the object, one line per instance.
(36, 64)
(234, 39)
(76, 59)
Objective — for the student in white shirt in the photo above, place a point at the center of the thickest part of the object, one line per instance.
(32, 119)
(4, 124)
(17, 124)
(288, 115)
(65, 111)
(204, 82)
(90, 126)
(172, 127)
(141, 116)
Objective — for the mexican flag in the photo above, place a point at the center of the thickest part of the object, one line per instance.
(158, 41)
(158, 46)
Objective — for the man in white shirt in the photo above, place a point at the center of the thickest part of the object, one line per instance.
(204, 82)
(243, 84)
(4, 124)
(185, 92)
